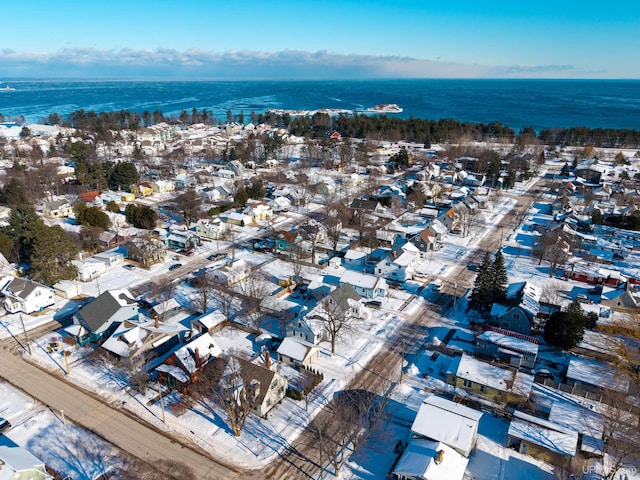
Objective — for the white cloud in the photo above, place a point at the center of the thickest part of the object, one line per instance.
(241, 64)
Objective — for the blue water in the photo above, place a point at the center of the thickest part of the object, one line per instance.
(516, 103)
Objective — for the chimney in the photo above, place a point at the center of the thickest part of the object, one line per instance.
(439, 457)
(157, 321)
(196, 353)
(267, 359)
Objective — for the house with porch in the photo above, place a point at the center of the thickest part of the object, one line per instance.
(258, 211)
(399, 266)
(143, 340)
(213, 229)
(499, 384)
(520, 313)
(182, 239)
(22, 295)
(515, 349)
(57, 209)
(103, 315)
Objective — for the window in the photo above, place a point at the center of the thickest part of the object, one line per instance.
(505, 325)
(516, 316)
(467, 383)
(482, 388)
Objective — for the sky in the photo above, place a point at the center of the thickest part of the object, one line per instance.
(320, 39)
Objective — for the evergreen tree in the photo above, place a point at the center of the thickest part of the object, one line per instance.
(564, 171)
(480, 299)
(498, 279)
(53, 250)
(565, 329)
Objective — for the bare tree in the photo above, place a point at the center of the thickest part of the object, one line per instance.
(257, 298)
(203, 284)
(223, 381)
(551, 247)
(223, 298)
(551, 293)
(189, 204)
(469, 217)
(336, 318)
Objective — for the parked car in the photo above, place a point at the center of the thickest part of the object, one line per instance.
(216, 256)
(582, 298)
(4, 425)
(374, 304)
(129, 266)
(175, 266)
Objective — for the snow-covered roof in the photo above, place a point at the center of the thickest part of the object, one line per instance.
(361, 280)
(593, 372)
(420, 460)
(174, 371)
(448, 422)
(482, 373)
(211, 319)
(295, 349)
(509, 343)
(546, 434)
(16, 459)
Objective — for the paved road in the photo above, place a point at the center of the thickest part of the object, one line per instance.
(111, 424)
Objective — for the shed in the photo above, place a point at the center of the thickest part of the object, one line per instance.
(297, 352)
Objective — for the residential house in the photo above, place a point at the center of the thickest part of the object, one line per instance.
(293, 351)
(89, 269)
(209, 322)
(233, 271)
(288, 241)
(499, 384)
(354, 259)
(67, 289)
(91, 199)
(520, 314)
(448, 422)
(258, 211)
(110, 257)
(104, 314)
(621, 299)
(429, 460)
(143, 340)
(238, 218)
(183, 365)
(182, 239)
(57, 209)
(165, 309)
(213, 229)
(272, 385)
(235, 166)
(225, 173)
(309, 324)
(595, 376)
(142, 189)
(366, 207)
(109, 239)
(399, 266)
(280, 204)
(146, 250)
(163, 186)
(425, 242)
(325, 187)
(594, 274)
(22, 295)
(17, 463)
(437, 230)
(516, 349)
(368, 286)
(542, 439)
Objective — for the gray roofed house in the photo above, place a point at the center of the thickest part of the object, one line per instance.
(111, 308)
(23, 295)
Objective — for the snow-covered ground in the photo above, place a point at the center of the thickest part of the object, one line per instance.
(35, 426)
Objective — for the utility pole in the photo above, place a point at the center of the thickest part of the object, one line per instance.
(164, 420)
(26, 338)
(402, 362)
(455, 295)
(66, 360)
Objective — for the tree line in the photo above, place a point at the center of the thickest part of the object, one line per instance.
(354, 125)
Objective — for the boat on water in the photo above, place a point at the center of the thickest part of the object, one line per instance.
(7, 88)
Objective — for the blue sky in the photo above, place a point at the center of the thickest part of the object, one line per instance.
(320, 39)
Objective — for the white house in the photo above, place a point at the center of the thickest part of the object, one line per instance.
(90, 269)
(448, 422)
(233, 272)
(213, 229)
(18, 463)
(280, 204)
(398, 267)
(26, 296)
